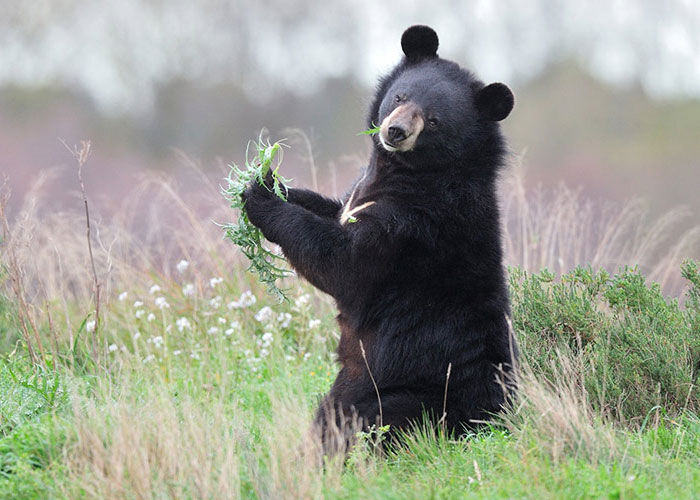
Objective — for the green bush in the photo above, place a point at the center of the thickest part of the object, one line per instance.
(639, 351)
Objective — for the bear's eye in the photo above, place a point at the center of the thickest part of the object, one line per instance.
(399, 97)
(433, 122)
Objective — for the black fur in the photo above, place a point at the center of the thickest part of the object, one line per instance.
(418, 277)
(419, 41)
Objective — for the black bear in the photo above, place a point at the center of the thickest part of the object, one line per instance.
(412, 255)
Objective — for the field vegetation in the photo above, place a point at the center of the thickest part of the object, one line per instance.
(183, 378)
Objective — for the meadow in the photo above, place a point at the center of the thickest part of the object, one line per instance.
(149, 364)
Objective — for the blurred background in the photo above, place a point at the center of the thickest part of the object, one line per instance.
(608, 92)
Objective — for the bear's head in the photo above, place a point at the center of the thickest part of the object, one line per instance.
(432, 111)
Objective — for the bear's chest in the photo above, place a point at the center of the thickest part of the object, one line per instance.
(353, 207)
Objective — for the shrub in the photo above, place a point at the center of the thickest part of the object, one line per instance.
(639, 350)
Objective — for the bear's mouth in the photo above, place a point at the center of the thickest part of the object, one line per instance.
(400, 130)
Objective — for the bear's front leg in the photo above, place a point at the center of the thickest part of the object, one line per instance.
(317, 247)
(314, 202)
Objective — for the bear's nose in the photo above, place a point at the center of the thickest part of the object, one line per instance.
(396, 134)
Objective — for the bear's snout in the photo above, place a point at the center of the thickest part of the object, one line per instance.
(397, 134)
(400, 130)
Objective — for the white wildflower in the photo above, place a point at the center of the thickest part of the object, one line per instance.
(302, 300)
(253, 363)
(215, 281)
(213, 330)
(234, 326)
(182, 266)
(149, 358)
(136, 335)
(139, 313)
(267, 337)
(264, 352)
(151, 317)
(194, 355)
(138, 304)
(188, 290)
(307, 356)
(157, 341)
(284, 319)
(288, 357)
(222, 321)
(154, 289)
(264, 315)
(161, 303)
(246, 299)
(215, 302)
(123, 296)
(113, 347)
(314, 323)
(177, 352)
(90, 326)
(182, 323)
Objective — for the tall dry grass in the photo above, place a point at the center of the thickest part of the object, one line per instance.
(148, 232)
(555, 414)
(145, 443)
(45, 253)
(558, 228)
(132, 449)
(160, 223)
(166, 219)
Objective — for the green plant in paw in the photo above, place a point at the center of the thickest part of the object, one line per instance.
(267, 158)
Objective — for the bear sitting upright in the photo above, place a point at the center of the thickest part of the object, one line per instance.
(412, 255)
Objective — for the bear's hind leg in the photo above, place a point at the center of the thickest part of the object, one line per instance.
(402, 410)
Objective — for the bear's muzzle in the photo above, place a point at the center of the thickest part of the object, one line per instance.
(400, 130)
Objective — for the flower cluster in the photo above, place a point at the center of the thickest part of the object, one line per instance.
(246, 299)
(194, 317)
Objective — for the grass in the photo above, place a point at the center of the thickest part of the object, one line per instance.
(203, 386)
(206, 414)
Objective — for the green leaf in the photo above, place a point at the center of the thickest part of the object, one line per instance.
(371, 131)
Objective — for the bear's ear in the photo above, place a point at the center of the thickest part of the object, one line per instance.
(495, 102)
(419, 41)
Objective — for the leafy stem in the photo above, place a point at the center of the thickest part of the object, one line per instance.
(267, 157)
